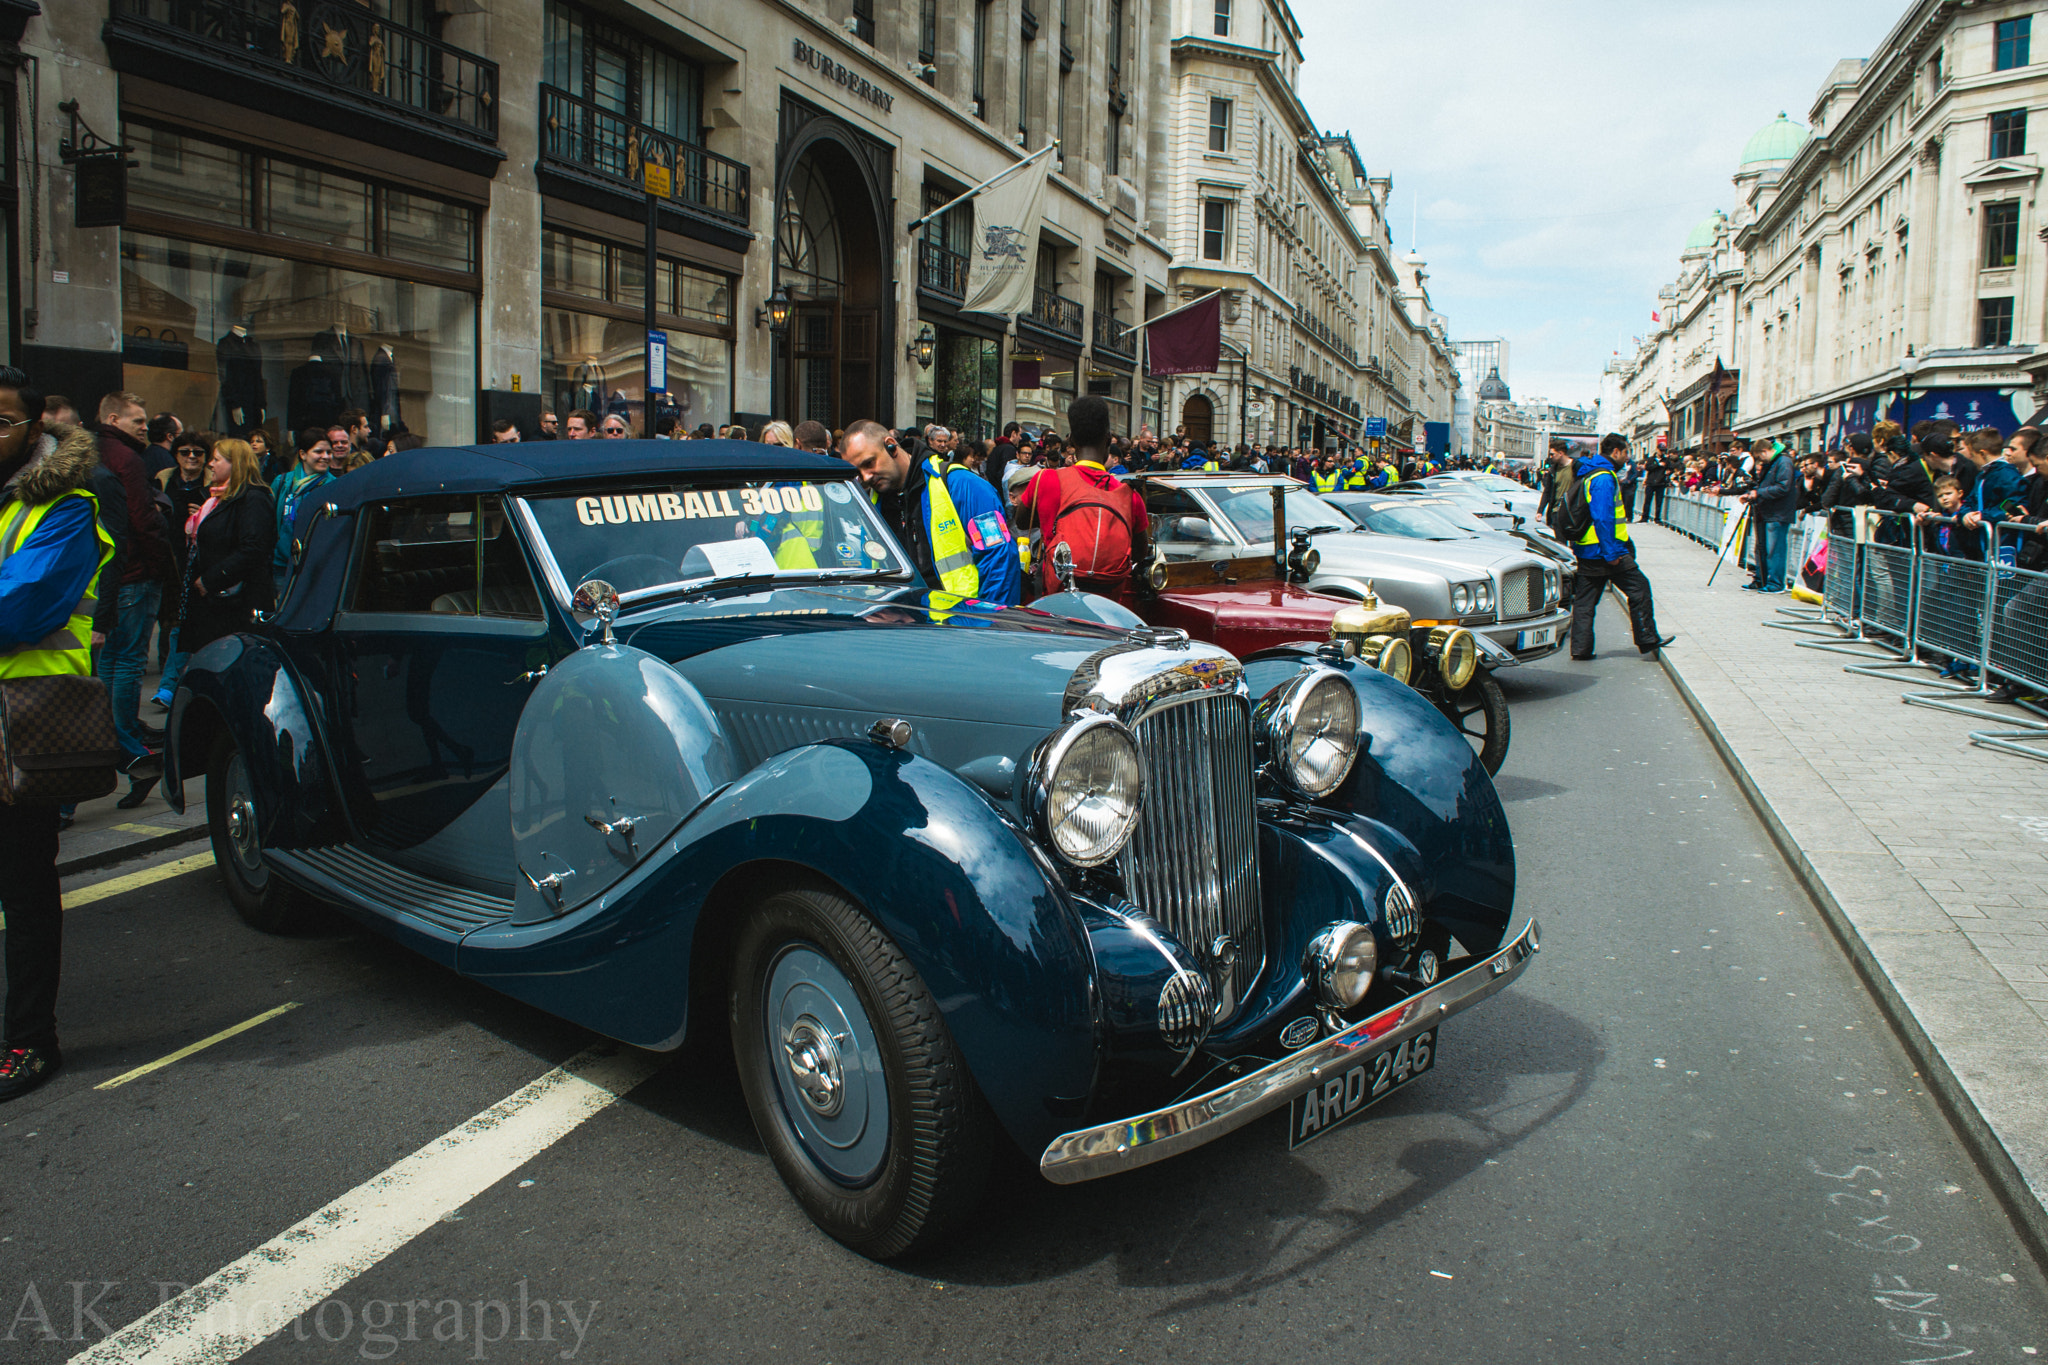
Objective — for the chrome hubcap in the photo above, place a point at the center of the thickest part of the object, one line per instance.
(828, 1074)
(812, 1056)
(242, 826)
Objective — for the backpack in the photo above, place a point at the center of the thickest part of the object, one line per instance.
(1094, 524)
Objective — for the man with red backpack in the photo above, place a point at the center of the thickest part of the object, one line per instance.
(1088, 509)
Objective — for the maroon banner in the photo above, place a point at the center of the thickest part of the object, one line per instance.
(1024, 374)
(1189, 342)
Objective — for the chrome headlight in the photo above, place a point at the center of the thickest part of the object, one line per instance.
(1086, 787)
(1482, 596)
(1310, 729)
(1461, 599)
(1340, 964)
(1457, 654)
(1553, 584)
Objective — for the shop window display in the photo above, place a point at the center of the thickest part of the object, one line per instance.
(236, 340)
(962, 388)
(1046, 406)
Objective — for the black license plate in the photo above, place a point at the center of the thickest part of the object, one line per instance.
(1345, 1096)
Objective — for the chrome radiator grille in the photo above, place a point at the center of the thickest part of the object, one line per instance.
(1521, 592)
(1193, 863)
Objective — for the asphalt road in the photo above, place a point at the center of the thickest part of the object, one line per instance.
(1685, 1135)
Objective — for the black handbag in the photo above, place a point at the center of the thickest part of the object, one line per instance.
(165, 350)
(57, 740)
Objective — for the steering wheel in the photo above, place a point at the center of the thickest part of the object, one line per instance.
(628, 572)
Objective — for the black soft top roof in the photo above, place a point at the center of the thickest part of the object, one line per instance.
(536, 466)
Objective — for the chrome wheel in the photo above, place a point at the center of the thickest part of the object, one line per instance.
(829, 1065)
(261, 899)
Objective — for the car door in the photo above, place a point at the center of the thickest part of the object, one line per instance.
(440, 641)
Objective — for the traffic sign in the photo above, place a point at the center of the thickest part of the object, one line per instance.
(657, 362)
(1375, 427)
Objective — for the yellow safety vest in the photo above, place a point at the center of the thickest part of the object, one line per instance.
(1355, 479)
(951, 555)
(1325, 483)
(1592, 535)
(1211, 467)
(1393, 476)
(68, 649)
(802, 534)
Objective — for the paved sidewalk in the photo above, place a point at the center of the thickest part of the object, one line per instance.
(1929, 854)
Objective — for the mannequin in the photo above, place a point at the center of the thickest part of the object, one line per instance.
(345, 351)
(238, 360)
(316, 397)
(383, 409)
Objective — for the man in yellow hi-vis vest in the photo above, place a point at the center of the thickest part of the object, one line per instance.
(952, 523)
(52, 553)
(1599, 536)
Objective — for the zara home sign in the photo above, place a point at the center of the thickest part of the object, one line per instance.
(832, 73)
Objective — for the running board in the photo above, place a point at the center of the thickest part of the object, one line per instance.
(349, 874)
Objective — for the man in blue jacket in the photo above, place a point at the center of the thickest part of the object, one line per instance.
(1772, 505)
(1600, 539)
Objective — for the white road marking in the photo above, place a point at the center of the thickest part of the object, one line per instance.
(236, 1308)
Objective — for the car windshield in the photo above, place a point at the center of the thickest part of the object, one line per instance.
(1417, 522)
(1249, 506)
(643, 538)
(1495, 483)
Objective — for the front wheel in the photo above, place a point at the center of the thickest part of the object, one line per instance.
(855, 1085)
(259, 897)
(1480, 711)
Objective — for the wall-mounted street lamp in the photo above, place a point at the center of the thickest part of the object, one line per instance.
(922, 346)
(776, 314)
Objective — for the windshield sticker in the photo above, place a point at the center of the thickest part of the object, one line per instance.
(727, 557)
(620, 508)
(838, 492)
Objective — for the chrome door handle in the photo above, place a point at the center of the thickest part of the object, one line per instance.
(550, 885)
(534, 676)
(623, 825)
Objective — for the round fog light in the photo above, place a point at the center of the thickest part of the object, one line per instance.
(1341, 962)
(1457, 654)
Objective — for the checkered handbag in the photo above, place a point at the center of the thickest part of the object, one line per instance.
(57, 741)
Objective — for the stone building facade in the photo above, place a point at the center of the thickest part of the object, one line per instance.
(445, 213)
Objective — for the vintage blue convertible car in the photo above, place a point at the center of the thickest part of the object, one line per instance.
(670, 739)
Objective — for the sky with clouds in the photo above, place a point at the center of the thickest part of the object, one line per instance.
(1558, 152)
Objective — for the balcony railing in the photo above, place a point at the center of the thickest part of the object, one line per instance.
(584, 134)
(340, 45)
(941, 270)
(1113, 337)
(1055, 312)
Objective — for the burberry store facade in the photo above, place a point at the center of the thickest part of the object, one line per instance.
(443, 213)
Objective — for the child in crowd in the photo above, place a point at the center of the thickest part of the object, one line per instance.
(1954, 541)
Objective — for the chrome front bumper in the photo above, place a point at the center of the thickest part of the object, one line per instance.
(1504, 633)
(1089, 1153)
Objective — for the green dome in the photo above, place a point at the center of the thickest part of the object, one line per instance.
(1779, 140)
(1702, 238)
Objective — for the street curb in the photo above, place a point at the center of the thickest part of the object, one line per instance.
(121, 853)
(1949, 1092)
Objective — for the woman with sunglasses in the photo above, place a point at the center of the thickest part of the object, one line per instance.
(185, 484)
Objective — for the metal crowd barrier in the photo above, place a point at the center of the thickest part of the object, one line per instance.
(1901, 606)
(1697, 516)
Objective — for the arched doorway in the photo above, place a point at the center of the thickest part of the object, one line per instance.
(830, 259)
(1198, 415)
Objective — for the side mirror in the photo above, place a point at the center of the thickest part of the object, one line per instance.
(1195, 528)
(1063, 566)
(595, 597)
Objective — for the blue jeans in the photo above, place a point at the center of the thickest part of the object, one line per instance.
(1772, 538)
(174, 669)
(121, 661)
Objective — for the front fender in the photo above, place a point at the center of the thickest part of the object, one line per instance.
(243, 684)
(995, 938)
(1419, 777)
